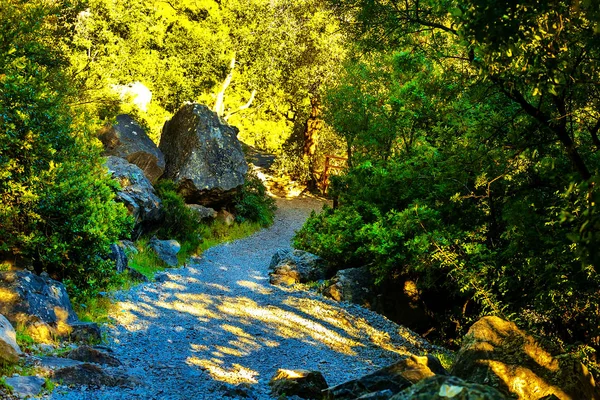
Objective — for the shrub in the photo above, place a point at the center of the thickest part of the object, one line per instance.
(253, 203)
(180, 222)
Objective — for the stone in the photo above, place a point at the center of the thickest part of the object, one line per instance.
(226, 217)
(442, 387)
(93, 355)
(137, 193)
(161, 277)
(353, 285)
(288, 267)
(128, 247)
(38, 302)
(302, 383)
(496, 352)
(393, 378)
(26, 386)
(166, 250)
(49, 364)
(203, 213)
(118, 256)
(127, 139)
(9, 349)
(380, 395)
(91, 375)
(85, 332)
(136, 275)
(203, 156)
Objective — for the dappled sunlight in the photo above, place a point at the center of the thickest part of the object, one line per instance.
(174, 286)
(234, 375)
(217, 286)
(8, 296)
(353, 326)
(255, 287)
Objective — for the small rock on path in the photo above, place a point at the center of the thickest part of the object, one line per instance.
(218, 322)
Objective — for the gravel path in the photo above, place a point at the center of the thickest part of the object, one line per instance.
(218, 323)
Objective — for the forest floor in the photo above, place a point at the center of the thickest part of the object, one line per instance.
(217, 329)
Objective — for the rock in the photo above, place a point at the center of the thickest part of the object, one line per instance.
(226, 217)
(93, 355)
(128, 247)
(239, 391)
(203, 156)
(26, 386)
(85, 332)
(301, 383)
(203, 213)
(128, 140)
(497, 353)
(9, 349)
(393, 378)
(91, 375)
(161, 277)
(137, 193)
(380, 395)
(49, 364)
(118, 256)
(441, 387)
(166, 250)
(289, 267)
(136, 275)
(40, 303)
(352, 285)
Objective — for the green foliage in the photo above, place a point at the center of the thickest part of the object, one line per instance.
(253, 203)
(56, 201)
(180, 222)
(462, 193)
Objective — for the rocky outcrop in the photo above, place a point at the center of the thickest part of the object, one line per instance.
(203, 213)
(166, 250)
(203, 156)
(288, 267)
(9, 349)
(353, 285)
(441, 387)
(127, 139)
(389, 380)
(91, 375)
(302, 383)
(497, 353)
(137, 193)
(118, 256)
(43, 306)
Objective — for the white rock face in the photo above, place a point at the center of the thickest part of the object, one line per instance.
(9, 349)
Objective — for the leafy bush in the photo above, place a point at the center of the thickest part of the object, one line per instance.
(253, 203)
(180, 222)
(57, 207)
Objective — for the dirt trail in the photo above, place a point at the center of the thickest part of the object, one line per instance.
(218, 323)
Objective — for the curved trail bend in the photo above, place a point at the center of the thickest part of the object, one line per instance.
(218, 322)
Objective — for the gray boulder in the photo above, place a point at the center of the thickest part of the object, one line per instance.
(43, 306)
(94, 355)
(302, 383)
(91, 375)
(9, 349)
(203, 156)
(354, 285)
(26, 386)
(203, 213)
(128, 140)
(118, 256)
(137, 193)
(391, 379)
(166, 250)
(441, 387)
(288, 267)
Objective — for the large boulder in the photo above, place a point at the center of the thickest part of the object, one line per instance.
(128, 140)
(496, 352)
(137, 193)
(302, 383)
(354, 285)
(9, 349)
(441, 387)
(203, 156)
(43, 306)
(391, 379)
(288, 267)
(25, 386)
